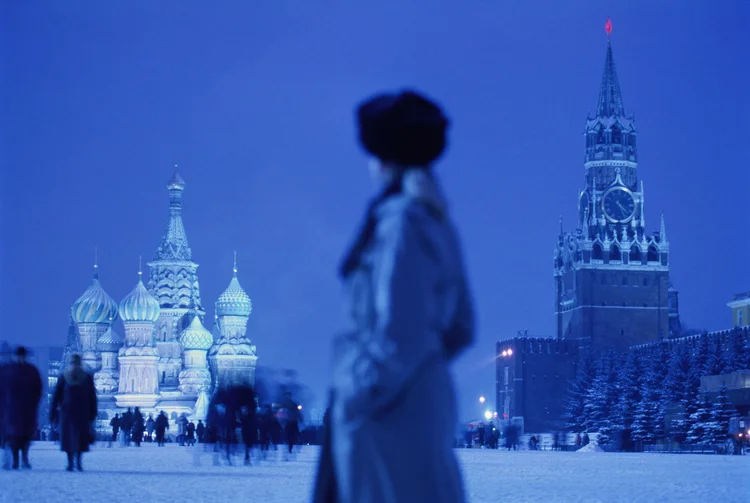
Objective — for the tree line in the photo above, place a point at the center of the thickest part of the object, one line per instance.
(654, 395)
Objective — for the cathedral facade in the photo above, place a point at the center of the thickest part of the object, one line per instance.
(167, 359)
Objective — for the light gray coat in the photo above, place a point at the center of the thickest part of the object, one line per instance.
(394, 407)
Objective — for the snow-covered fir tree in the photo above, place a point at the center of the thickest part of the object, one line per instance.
(722, 409)
(700, 422)
(575, 415)
(599, 408)
(629, 380)
(716, 360)
(738, 352)
(648, 423)
(675, 387)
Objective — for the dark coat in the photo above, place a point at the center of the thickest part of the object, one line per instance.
(23, 391)
(3, 389)
(75, 398)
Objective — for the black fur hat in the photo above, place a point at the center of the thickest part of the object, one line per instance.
(405, 128)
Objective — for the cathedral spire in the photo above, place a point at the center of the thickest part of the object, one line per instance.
(663, 230)
(610, 98)
(96, 263)
(174, 245)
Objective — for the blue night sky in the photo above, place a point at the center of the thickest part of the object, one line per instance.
(254, 100)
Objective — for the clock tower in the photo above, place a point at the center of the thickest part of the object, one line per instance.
(611, 276)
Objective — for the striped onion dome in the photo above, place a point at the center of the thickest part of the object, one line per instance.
(109, 341)
(195, 336)
(139, 305)
(94, 306)
(234, 301)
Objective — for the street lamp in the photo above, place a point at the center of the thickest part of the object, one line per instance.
(482, 399)
(488, 415)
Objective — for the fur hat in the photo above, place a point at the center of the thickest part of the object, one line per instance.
(405, 128)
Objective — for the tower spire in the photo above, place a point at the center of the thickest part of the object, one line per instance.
(96, 263)
(610, 98)
(662, 230)
(174, 245)
(234, 268)
(140, 267)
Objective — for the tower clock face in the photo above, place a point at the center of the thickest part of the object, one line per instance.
(618, 204)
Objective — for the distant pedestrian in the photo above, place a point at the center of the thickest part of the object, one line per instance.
(74, 406)
(22, 396)
(150, 428)
(200, 430)
(115, 424)
(161, 425)
(4, 380)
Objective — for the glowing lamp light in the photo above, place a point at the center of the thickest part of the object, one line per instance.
(495, 415)
(299, 407)
(488, 415)
(510, 352)
(504, 353)
(482, 399)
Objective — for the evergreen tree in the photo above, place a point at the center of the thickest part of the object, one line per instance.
(675, 386)
(738, 353)
(721, 411)
(715, 362)
(700, 422)
(575, 417)
(629, 381)
(648, 423)
(691, 401)
(600, 401)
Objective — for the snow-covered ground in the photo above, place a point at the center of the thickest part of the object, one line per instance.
(171, 474)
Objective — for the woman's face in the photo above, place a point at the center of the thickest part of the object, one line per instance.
(375, 168)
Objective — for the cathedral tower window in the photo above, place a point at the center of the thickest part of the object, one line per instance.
(616, 136)
(645, 281)
(597, 253)
(624, 281)
(614, 253)
(653, 254)
(635, 254)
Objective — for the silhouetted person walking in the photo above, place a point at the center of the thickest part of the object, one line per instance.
(161, 425)
(4, 380)
(22, 396)
(411, 315)
(74, 405)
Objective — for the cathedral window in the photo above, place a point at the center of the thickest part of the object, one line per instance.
(597, 253)
(614, 253)
(624, 281)
(645, 281)
(635, 254)
(653, 254)
(616, 136)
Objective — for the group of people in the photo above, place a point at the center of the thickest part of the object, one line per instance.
(131, 427)
(234, 409)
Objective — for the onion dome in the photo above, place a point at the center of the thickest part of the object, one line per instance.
(109, 341)
(94, 306)
(234, 301)
(195, 336)
(139, 305)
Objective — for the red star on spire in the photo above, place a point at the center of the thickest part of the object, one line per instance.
(608, 27)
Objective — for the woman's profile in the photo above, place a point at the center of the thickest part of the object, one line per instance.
(393, 409)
